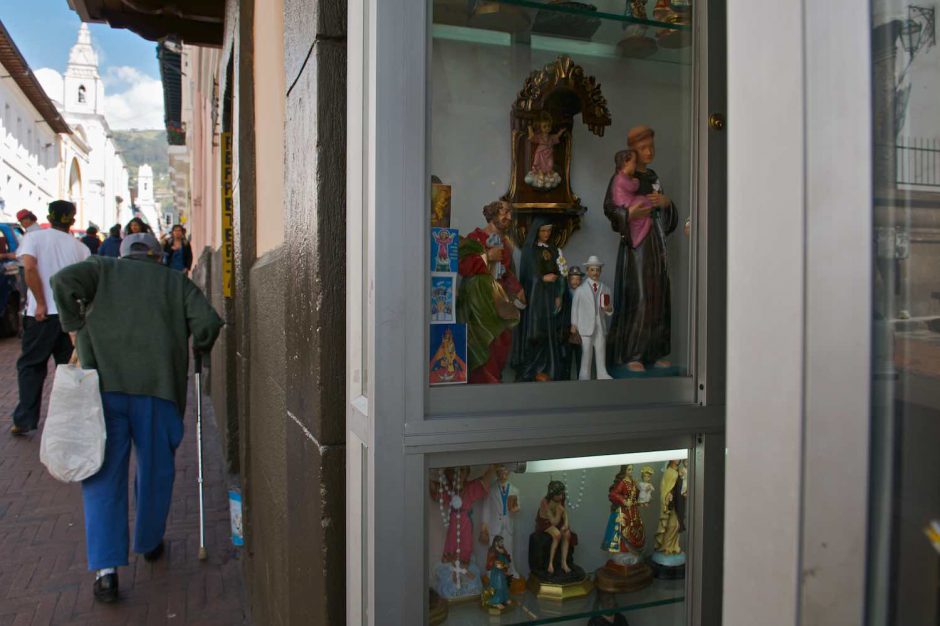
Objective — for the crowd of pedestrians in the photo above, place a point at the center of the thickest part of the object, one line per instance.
(79, 310)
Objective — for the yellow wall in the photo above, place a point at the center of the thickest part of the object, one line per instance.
(270, 94)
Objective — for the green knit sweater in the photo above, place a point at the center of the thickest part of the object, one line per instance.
(136, 325)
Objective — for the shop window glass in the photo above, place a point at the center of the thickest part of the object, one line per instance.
(905, 529)
(562, 190)
(592, 540)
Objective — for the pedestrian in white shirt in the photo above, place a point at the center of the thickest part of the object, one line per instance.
(43, 253)
(590, 312)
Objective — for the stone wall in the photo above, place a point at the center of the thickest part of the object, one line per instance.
(277, 379)
(265, 475)
(315, 223)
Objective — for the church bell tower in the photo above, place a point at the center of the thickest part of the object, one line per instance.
(84, 91)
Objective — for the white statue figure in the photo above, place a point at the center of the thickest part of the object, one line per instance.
(645, 486)
(499, 508)
(590, 313)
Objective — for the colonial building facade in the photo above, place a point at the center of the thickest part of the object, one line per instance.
(100, 186)
(40, 158)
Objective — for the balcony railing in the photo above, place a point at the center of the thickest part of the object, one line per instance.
(918, 162)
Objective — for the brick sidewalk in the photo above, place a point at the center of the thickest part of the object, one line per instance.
(43, 575)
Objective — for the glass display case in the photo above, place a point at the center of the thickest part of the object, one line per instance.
(560, 541)
(557, 251)
(503, 151)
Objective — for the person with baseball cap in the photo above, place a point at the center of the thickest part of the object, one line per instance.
(43, 252)
(138, 340)
(27, 220)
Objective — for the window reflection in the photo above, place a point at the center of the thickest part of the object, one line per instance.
(905, 564)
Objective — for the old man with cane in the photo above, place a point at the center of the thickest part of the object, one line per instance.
(131, 319)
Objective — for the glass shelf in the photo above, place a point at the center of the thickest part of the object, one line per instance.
(566, 29)
(614, 10)
(661, 593)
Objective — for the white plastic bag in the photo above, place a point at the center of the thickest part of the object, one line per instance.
(72, 446)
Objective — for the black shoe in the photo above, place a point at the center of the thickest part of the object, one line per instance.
(106, 588)
(154, 554)
(19, 431)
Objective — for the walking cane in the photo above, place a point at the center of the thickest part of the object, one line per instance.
(202, 519)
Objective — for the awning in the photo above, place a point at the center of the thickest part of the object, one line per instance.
(197, 22)
(13, 62)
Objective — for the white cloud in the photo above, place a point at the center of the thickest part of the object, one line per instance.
(135, 99)
(51, 82)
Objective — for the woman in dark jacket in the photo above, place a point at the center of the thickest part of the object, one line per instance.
(177, 253)
(137, 225)
(536, 348)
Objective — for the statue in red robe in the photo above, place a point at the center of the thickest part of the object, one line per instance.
(490, 295)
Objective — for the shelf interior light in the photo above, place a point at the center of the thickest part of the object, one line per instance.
(608, 460)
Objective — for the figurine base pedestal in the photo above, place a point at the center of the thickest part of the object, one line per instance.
(495, 611)
(495, 16)
(668, 566)
(517, 586)
(437, 610)
(622, 371)
(559, 591)
(617, 578)
(567, 24)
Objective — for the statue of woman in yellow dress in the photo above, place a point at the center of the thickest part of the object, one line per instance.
(669, 560)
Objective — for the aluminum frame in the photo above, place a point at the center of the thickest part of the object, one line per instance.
(799, 286)
(391, 434)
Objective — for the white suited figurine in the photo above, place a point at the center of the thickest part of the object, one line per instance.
(499, 510)
(590, 312)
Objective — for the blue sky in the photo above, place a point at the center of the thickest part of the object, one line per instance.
(45, 30)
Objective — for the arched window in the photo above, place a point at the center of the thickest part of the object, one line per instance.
(81, 94)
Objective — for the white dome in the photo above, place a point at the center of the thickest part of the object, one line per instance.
(52, 83)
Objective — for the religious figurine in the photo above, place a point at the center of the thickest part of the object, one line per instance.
(623, 192)
(645, 486)
(542, 122)
(589, 312)
(624, 538)
(536, 354)
(457, 575)
(490, 296)
(551, 546)
(498, 565)
(640, 328)
(673, 12)
(542, 174)
(499, 510)
(669, 560)
(569, 341)
(636, 41)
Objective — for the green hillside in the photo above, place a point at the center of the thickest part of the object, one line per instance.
(146, 146)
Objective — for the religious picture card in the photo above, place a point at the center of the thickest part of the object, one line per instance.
(443, 297)
(448, 365)
(440, 205)
(444, 245)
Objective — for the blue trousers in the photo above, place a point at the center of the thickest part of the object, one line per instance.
(156, 428)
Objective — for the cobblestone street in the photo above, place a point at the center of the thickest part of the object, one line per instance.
(43, 575)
